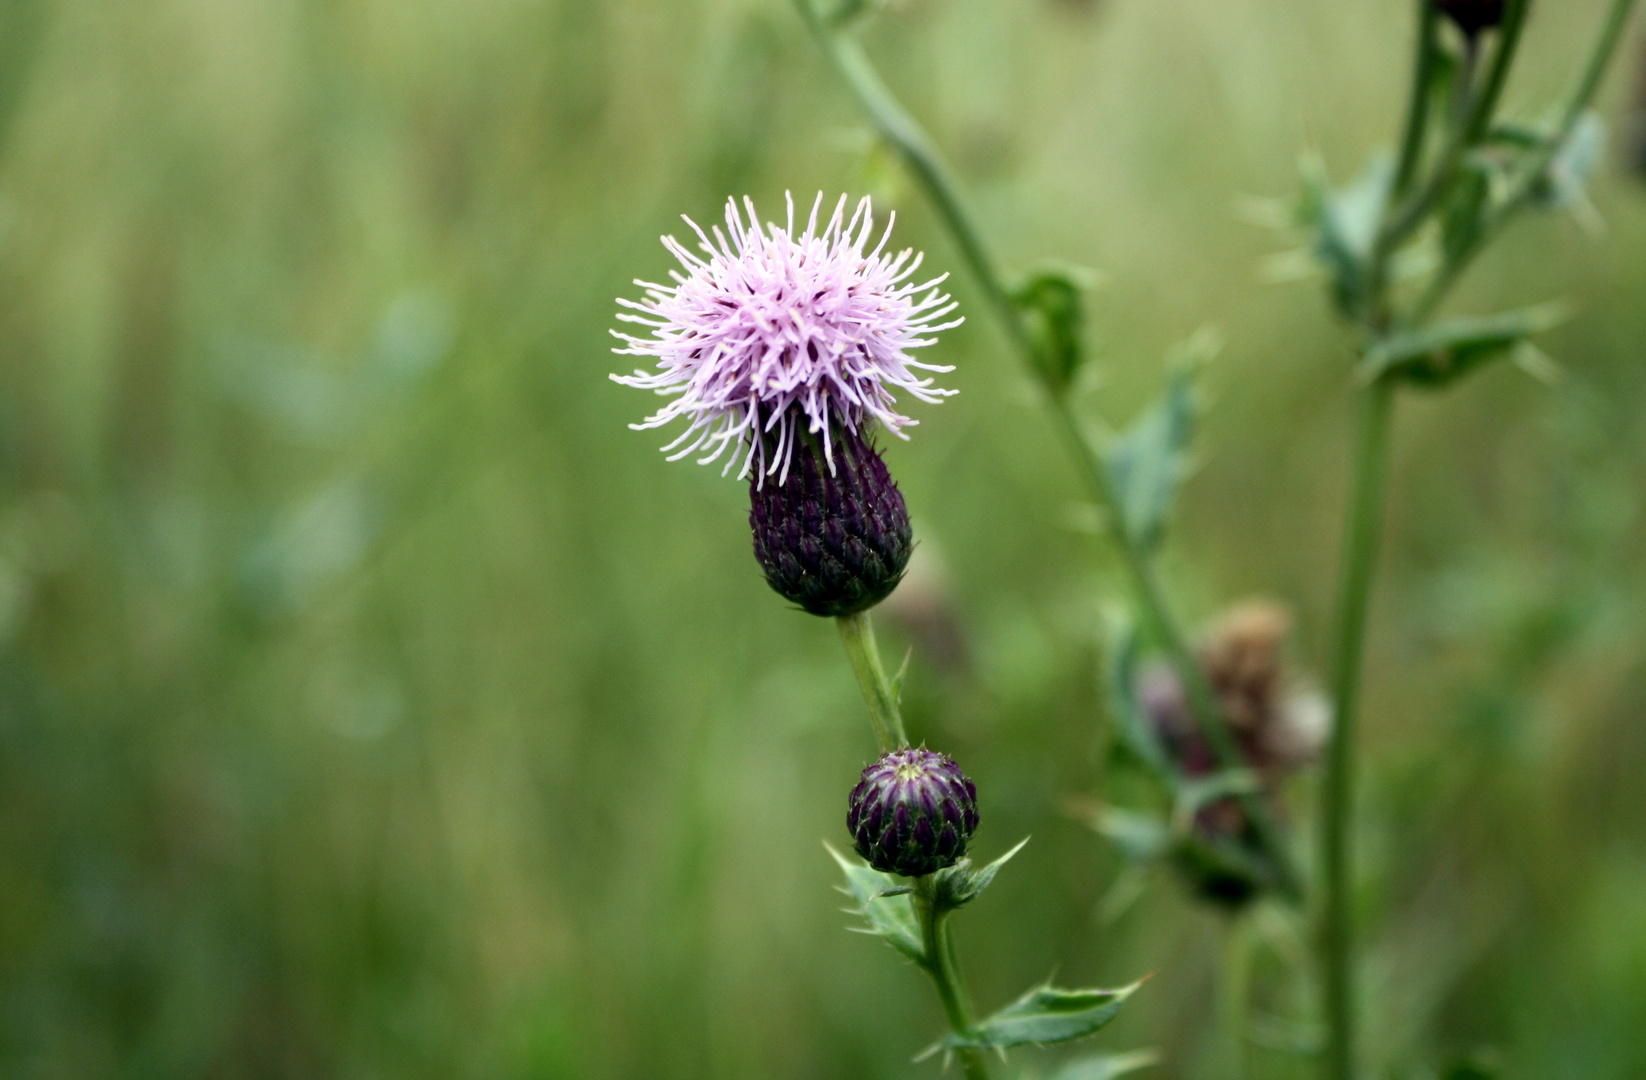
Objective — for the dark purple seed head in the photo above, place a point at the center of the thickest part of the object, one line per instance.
(834, 542)
(912, 813)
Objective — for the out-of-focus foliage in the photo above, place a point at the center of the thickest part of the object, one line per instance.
(374, 704)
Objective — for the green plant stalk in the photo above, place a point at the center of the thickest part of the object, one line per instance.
(922, 158)
(1360, 543)
(945, 972)
(1417, 119)
(1234, 995)
(857, 634)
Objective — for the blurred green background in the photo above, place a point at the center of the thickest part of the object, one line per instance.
(374, 704)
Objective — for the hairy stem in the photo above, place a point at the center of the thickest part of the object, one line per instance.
(945, 972)
(1359, 562)
(923, 160)
(857, 633)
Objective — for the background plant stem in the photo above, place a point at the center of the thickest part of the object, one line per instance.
(922, 158)
(945, 972)
(857, 633)
(1234, 995)
(1360, 543)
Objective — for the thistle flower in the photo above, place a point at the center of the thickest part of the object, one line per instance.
(912, 812)
(770, 335)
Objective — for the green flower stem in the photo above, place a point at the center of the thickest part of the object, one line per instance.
(922, 158)
(1234, 996)
(857, 633)
(1360, 544)
(945, 972)
(1417, 113)
(1357, 566)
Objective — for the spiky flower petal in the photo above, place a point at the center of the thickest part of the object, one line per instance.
(770, 335)
(912, 812)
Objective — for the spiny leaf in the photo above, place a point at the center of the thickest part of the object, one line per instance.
(1440, 354)
(1345, 223)
(960, 884)
(884, 905)
(902, 674)
(1046, 1014)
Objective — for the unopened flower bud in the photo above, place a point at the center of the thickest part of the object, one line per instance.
(833, 535)
(1278, 725)
(1472, 16)
(912, 812)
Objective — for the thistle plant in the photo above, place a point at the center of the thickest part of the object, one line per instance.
(783, 353)
(1393, 244)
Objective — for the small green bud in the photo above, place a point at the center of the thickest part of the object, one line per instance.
(912, 812)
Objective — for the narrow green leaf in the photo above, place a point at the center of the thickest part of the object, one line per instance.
(902, 674)
(1147, 463)
(1106, 1066)
(1137, 733)
(1464, 214)
(1440, 354)
(1046, 1014)
(884, 905)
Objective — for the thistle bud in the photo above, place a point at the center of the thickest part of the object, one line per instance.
(833, 535)
(1279, 725)
(912, 812)
(1472, 16)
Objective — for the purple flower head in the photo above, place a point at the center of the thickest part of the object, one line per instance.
(772, 335)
